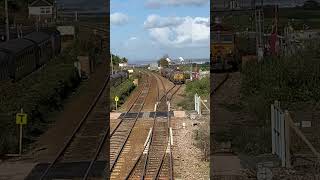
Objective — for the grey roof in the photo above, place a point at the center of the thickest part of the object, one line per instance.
(38, 37)
(38, 3)
(16, 45)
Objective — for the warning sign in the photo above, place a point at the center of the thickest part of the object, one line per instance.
(21, 118)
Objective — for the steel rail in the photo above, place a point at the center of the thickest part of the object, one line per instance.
(154, 116)
(96, 154)
(138, 160)
(169, 143)
(136, 118)
(220, 84)
(114, 130)
(163, 156)
(70, 139)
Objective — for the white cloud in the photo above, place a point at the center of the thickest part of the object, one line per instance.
(158, 3)
(118, 19)
(133, 38)
(179, 31)
(155, 21)
(132, 41)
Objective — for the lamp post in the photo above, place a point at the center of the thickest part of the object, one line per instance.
(111, 64)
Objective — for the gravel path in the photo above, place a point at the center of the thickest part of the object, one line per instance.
(188, 162)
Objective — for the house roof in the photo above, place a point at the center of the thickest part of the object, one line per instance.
(39, 3)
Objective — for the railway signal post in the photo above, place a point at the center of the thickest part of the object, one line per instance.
(116, 99)
(21, 119)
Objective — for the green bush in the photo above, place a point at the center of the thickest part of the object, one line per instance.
(38, 94)
(290, 80)
(201, 87)
(122, 91)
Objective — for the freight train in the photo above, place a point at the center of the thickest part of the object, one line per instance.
(20, 57)
(223, 49)
(174, 75)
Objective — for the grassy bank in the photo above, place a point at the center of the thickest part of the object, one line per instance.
(291, 80)
(123, 91)
(40, 94)
(201, 87)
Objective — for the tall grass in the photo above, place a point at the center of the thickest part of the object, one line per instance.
(288, 79)
(291, 80)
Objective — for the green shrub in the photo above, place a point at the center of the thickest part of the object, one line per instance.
(122, 91)
(201, 87)
(290, 80)
(38, 94)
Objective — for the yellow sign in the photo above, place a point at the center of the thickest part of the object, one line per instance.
(21, 118)
(116, 98)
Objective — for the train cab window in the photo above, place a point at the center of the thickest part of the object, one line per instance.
(227, 38)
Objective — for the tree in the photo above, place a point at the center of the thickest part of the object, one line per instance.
(163, 61)
(124, 60)
(311, 4)
(116, 60)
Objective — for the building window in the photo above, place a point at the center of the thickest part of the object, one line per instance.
(46, 10)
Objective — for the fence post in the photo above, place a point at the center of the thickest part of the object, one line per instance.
(282, 140)
(195, 102)
(199, 104)
(272, 129)
(287, 139)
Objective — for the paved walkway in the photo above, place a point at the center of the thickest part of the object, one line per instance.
(15, 170)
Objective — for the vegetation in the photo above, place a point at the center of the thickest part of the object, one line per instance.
(163, 61)
(291, 80)
(202, 67)
(202, 139)
(122, 91)
(38, 94)
(201, 87)
(202, 134)
(116, 60)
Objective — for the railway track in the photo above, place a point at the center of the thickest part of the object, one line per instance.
(121, 133)
(155, 161)
(225, 79)
(86, 142)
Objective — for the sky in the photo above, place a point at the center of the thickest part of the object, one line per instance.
(145, 30)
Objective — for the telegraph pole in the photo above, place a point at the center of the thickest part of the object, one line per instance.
(7, 19)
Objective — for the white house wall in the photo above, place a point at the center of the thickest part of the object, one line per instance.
(37, 10)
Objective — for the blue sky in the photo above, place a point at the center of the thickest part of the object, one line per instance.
(144, 30)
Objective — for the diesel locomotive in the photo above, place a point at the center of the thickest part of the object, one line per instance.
(174, 75)
(223, 49)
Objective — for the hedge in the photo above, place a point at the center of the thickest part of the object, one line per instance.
(38, 94)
